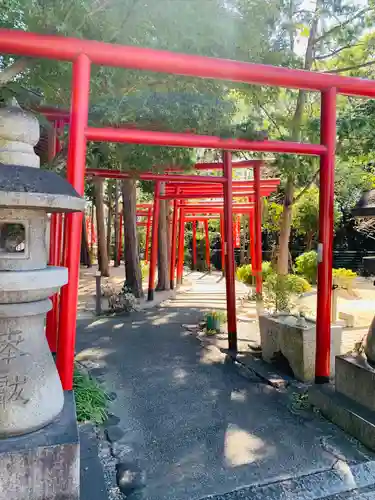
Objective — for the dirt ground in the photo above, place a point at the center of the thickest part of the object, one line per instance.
(86, 290)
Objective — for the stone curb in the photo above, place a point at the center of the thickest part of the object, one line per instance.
(263, 370)
(340, 478)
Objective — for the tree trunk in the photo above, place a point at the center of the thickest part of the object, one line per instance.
(163, 248)
(109, 224)
(309, 241)
(242, 249)
(286, 216)
(285, 228)
(100, 226)
(133, 274)
(85, 254)
(116, 256)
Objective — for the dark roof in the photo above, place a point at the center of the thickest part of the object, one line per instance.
(366, 205)
(20, 179)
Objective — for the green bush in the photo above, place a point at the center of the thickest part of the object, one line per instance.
(279, 291)
(343, 278)
(244, 273)
(298, 284)
(267, 269)
(306, 265)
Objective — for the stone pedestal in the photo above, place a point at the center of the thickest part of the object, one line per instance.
(43, 465)
(351, 402)
(284, 334)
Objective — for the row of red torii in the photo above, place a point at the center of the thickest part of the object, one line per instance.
(211, 205)
(180, 189)
(85, 53)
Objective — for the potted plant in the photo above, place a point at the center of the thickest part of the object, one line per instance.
(286, 332)
(214, 319)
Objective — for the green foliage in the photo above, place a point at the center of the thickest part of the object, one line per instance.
(280, 291)
(216, 314)
(306, 215)
(298, 284)
(91, 399)
(271, 215)
(277, 294)
(306, 265)
(144, 269)
(244, 273)
(343, 278)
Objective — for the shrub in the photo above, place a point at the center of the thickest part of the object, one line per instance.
(307, 266)
(343, 278)
(244, 273)
(298, 284)
(279, 291)
(277, 294)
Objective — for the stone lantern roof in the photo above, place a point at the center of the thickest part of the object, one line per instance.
(34, 188)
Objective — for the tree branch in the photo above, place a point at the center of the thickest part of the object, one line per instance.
(349, 68)
(308, 186)
(124, 21)
(9, 73)
(337, 51)
(269, 116)
(341, 25)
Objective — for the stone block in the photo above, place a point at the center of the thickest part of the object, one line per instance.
(348, 318)
(355, 419)
(355, 378)
(43, 465)
(283, 334)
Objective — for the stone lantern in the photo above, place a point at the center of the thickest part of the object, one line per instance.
(31, 394)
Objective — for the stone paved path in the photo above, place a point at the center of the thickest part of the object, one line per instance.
(197, 428)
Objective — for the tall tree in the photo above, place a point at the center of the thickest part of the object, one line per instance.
(133, 275)
(309, 36)
(163, 245)
(100, 224)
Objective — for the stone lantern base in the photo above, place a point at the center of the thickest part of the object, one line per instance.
(43, 465)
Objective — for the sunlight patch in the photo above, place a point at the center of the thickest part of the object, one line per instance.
(241, 447)
(238, 396)
(120, 325)
(93, 352)
(98, 322)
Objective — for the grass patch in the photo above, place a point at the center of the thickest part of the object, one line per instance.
(91, 399)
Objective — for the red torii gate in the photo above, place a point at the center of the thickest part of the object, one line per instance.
(83, 53)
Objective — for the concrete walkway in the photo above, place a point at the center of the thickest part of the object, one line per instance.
(185, 417)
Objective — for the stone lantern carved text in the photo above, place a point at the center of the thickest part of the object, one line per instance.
(10, 346)
(11, 387)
